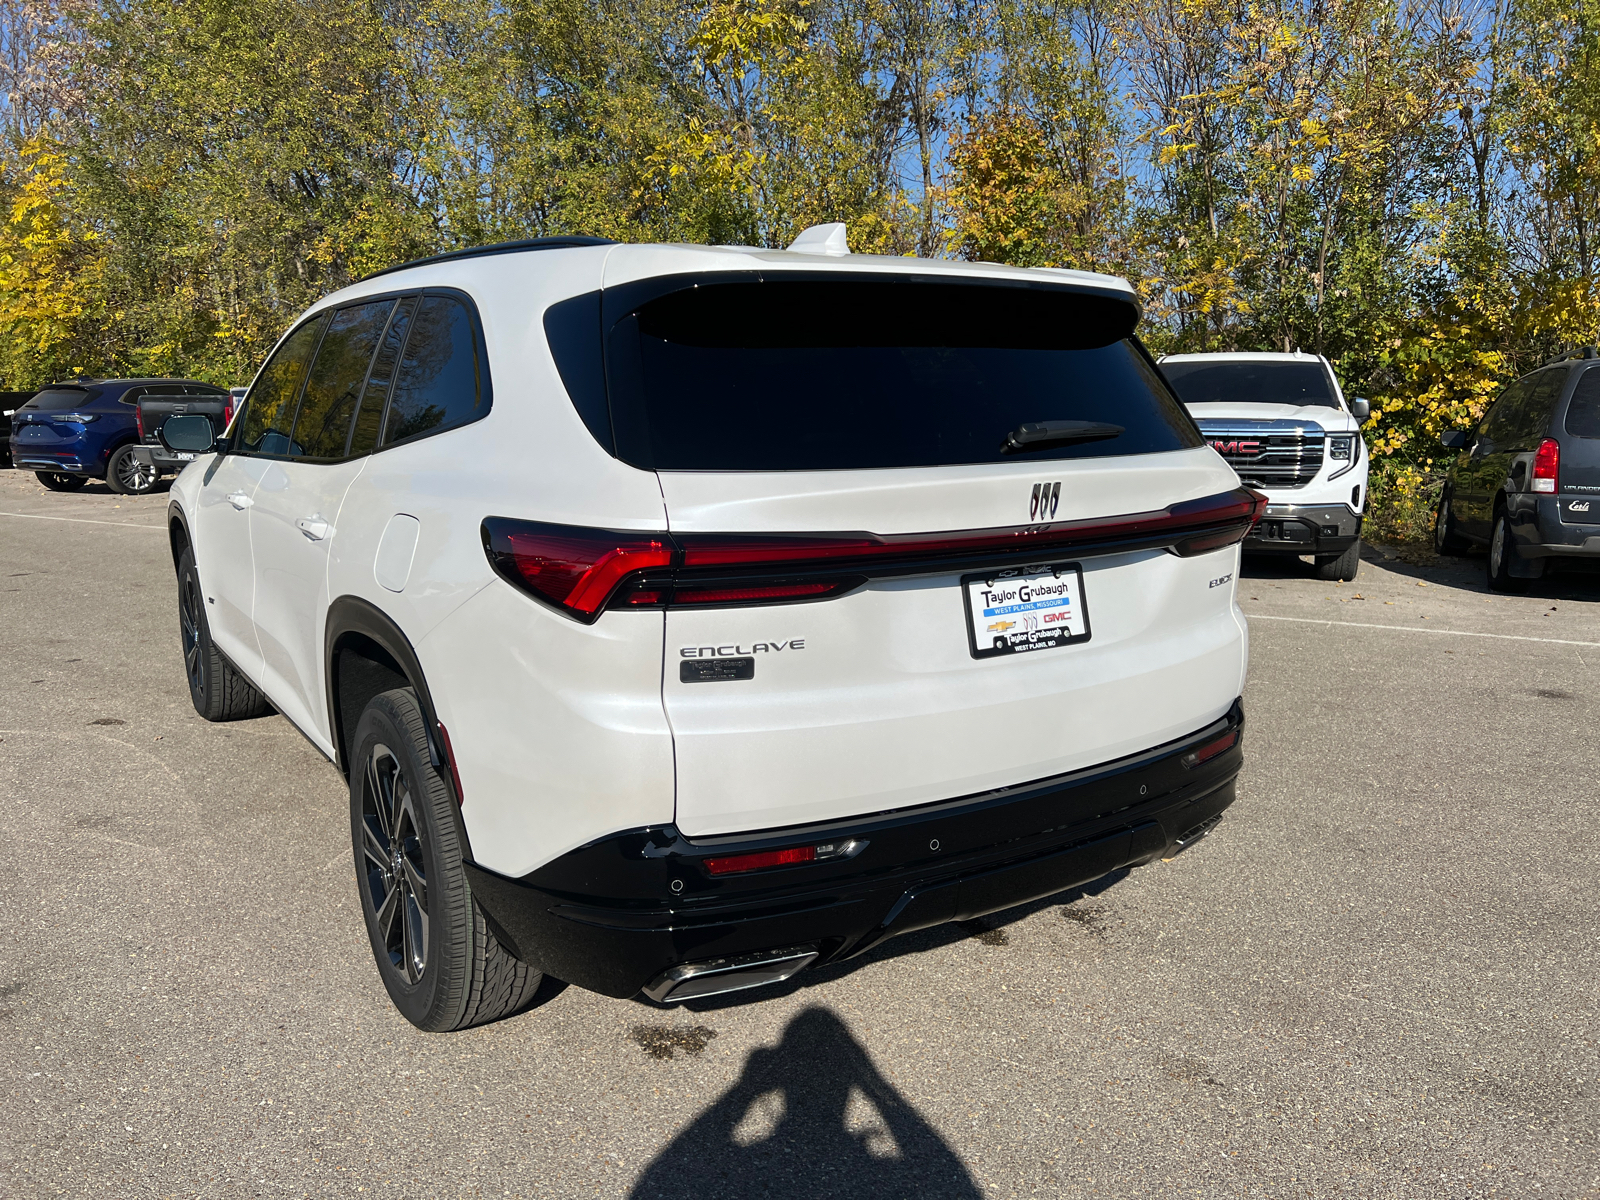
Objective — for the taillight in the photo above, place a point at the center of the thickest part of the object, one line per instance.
(138, 419)
(1546, 465)
(582, 571)
(227, 415)
(573, 568)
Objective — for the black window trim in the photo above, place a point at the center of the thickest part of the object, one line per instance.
(480, 347)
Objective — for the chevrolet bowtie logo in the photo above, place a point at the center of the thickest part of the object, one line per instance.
(1046, 499)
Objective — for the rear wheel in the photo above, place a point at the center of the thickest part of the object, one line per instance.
(218, 690)
(127, 476)
(440, 963)
(1501, 548)
(1446, 538)
(1340, 566)
(60, 481)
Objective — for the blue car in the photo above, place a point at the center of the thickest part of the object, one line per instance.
(85, 429)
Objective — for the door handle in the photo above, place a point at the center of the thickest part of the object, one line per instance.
(240, 500)
(314, 527)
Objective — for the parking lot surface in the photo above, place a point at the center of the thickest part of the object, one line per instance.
(1377, 978)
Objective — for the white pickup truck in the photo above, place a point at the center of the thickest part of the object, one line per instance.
(1282, 422)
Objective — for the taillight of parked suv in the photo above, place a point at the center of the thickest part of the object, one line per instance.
(1547, 465)
(583, 571)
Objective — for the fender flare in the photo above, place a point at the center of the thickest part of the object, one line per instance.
(178, 532)
(353, 615)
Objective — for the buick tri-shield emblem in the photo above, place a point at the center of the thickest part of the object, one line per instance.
(1046, 499)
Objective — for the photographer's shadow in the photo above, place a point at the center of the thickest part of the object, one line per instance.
(810, 1117)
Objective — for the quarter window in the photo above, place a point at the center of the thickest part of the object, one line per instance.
(334, 386)
(439, 382)
(1583, 414)
(270, 404)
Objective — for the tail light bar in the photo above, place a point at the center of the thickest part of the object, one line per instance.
(1547, 465)
(583, 571)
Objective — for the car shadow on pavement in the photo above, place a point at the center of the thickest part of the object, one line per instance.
(1563, 581)
(809, 1117)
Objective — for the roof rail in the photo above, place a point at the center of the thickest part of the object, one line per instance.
(541, 243)
(1568, 355)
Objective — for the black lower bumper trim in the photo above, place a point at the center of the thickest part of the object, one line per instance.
(621, 912)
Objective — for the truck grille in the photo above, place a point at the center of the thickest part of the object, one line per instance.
(1268, 454)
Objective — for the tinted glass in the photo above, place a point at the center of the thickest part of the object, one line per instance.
(1532, 415)
(438, 384)
(59, 399)
(1246, 382)
(1583, 410)
(1500, 421)
(270, 405)
(783, 376)
(369, 419)
(334, 384)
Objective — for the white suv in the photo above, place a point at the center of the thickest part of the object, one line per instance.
(1281, 422)
(684, 616)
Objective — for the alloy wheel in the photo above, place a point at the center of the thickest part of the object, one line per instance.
(189, 617)
(394, 868)
(1497, 547)
(133, 475)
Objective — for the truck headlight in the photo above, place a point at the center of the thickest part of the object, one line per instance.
(1339, 448)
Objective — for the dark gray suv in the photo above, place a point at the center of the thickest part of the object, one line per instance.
(1527, 484)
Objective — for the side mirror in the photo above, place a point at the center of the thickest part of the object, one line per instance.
(1360, 409)
(1453, 439)
(187, 433)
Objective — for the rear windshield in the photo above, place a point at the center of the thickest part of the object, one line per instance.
(1583, 411)
(1246, 382)
(824, 375)
(59, 399)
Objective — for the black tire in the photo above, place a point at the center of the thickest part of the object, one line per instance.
(60, 481)
(1501, 549)
(439, 961)
(127, 476)
(1340, 566)
(1446, 538)
(218, 690)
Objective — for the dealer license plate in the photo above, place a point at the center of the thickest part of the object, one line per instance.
(1025, 609)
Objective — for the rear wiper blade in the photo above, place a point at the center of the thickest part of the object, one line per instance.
(1036, 435)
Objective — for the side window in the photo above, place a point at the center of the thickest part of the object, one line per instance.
(440, 382)
(1583, 412)
(1499, 421)
(369, 419)
(1533, 417)
(334, 385)
(270, 404)
(131, 396)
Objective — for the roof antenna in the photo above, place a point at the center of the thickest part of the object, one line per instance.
(826, 239)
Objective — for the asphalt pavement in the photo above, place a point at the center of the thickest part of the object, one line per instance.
(1377, 978)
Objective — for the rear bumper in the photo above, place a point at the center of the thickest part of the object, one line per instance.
(1539, 532)
(618, 914)
(1304, 529)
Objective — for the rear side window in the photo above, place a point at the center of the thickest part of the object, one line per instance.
(440, 382)
(369, 418)
(270, 404)
(334, 385)
(1583, 413)
(790, 375)
(1246, 382)
(1531, 416)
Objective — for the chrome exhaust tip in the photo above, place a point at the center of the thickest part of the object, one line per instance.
(1189, 837)
(690, 981)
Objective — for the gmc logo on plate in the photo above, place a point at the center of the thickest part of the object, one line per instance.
(1236, 447)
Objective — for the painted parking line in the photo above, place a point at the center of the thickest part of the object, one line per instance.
(80, 520)
(1505, 637)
